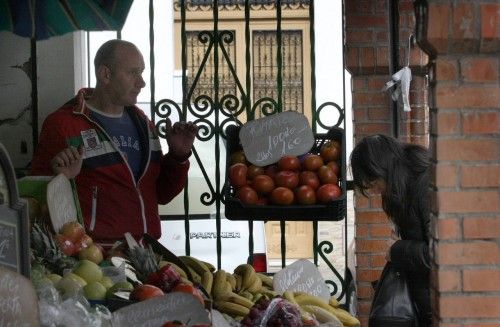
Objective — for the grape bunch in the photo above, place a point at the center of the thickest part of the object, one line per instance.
(275, 313)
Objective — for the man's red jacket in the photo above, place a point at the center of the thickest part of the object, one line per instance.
(122, 205)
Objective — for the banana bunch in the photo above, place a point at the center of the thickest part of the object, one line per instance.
(323, 311)
(235, 294)
(201, 271)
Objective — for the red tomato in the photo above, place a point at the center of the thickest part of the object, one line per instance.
(309, 178)
(73, 230)
(262, 201)
(145, 291)
(238, 174)
(335, 167)
(263, 184)
(328, 192)
(66, 245)
(326, 175)
(271, 171)
(289, 163)
(312, 162)
(190, 289)
(305, 195)
(247, 195)
(287, 178)
(83, 242)
(282, 196)
(330, 151)
(253, 171)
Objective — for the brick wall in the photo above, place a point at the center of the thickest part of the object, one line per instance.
(368, 60)
(461, 129)
(464, 139)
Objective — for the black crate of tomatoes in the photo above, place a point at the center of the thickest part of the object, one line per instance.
(306, 187)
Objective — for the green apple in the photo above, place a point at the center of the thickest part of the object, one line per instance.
(69, 285)
(92, 253)
(76, 278)
(94, 291)
(89, 271)
(107, 282)
(119, 286)
(55, 278)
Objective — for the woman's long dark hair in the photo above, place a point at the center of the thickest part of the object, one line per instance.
(404, 167)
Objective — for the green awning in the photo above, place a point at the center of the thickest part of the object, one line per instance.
(41, 19)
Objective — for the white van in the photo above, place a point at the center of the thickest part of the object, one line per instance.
(203, 241)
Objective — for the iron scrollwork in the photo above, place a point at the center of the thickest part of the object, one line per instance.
(326, 247)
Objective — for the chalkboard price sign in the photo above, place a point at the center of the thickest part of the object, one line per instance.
(301, 276)
(8, 245)
(267, 139)
(14, 231)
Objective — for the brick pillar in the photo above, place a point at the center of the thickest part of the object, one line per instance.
(368, 60)
(465, 124)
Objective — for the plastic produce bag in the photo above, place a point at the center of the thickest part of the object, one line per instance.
(277, 312)
(402, 81)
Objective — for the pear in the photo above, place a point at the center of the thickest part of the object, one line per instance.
(89, 271)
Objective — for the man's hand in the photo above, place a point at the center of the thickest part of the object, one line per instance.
(180, 138)
(68, 161)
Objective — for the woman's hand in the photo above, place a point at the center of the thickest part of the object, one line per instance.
(68, 162)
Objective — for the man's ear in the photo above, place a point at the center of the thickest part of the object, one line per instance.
(103, 73)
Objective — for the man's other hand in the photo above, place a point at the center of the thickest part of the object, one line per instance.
(180, 138)
(68, 161)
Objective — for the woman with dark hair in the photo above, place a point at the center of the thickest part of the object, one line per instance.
(400, 172)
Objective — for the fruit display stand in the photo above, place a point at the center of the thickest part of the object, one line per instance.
(334, 210)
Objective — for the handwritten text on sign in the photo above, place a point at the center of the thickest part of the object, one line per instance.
(156, 311)
(267, 139)
(8, 246)
(303, 276)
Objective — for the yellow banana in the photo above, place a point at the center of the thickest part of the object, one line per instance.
(210, 266)
(257, 297)
(219, 283)
(250, 279)
(345, 317)
(289, 296)
(231, 280)
(238, 299)
(198, 266)
(228, 288)
(232, 309)
(268, 293)
(179, 270)
(266, 280)
(238, 282)
(304, 298)
(322, 315)
(240, 270)
(256, 285)
(246, 294)
(207, 280)
(196, 277)
(334, 302)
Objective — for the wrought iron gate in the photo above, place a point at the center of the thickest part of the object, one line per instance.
(217, 95)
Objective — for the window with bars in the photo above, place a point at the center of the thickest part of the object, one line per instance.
(264, 67)
(196, 51)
